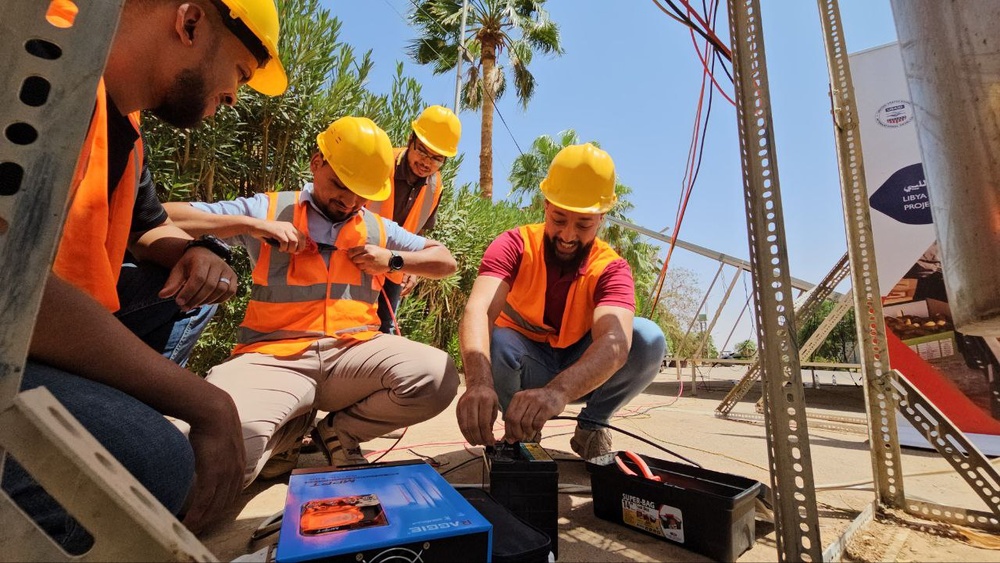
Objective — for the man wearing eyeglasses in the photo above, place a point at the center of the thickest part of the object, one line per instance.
(416, 191)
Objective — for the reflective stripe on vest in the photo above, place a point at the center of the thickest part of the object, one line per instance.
(524, 310)
(297, 299)
(423, 205)
(96, 232)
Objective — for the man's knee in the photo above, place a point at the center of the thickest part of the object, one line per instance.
(507, 348)
(445, 379)
(648, 342)
(448, 386)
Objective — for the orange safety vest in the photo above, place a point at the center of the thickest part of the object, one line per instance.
(423, 206)
(297, 299)
(96, 232)
(524, 310)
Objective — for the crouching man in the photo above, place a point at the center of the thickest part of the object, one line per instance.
(550, 319)
(310, 338)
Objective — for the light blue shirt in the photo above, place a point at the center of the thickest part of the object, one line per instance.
(321, 229)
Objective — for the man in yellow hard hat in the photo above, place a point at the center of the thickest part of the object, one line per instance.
(310, 339)
(550, 319)
(179, 59)
(416, 190)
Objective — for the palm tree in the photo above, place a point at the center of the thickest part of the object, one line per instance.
(519, 27)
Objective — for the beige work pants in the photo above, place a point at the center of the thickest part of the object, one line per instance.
(374, 387)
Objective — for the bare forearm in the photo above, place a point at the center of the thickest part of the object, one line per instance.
(601, 360)
(474, 342)
(198, 223)
(164, 244)
(73, 332)
(434, 262)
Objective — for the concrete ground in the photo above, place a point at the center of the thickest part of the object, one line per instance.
(686, 425)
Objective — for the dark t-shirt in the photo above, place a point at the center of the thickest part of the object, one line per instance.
(405, 192)
(148, 212)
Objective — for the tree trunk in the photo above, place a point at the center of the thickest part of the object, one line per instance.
(489, 58)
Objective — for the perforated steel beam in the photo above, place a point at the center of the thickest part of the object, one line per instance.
(864, 273)
(958, 451)
(795, 514)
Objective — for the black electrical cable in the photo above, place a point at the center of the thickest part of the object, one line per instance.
(688, 22)
(629, 434)
(704, 134)
(461, 465)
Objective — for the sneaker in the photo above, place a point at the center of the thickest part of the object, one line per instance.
(281, 463)
(589, 444)
(340, 448)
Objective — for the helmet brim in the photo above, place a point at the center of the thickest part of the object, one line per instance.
(430, 145)
(597, 208)
(381, 194)
(270, 80)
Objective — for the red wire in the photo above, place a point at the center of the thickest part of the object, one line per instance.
(704, 63)
(392, 314)
(709, 30)
(692, 156)
(687, 194)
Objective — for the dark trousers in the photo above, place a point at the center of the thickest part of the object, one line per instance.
(392, 290)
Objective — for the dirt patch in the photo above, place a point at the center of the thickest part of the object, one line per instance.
(901, 537)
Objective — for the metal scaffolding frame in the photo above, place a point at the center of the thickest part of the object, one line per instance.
(887, 391)
(807, 306)
(126, 521)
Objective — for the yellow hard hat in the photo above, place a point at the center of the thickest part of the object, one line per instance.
(439, 128)
(261, 18)
(581, 179)
(360, 153)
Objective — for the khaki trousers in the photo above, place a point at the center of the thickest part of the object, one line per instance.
(374, 387)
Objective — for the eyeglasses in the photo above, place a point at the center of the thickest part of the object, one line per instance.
(425, 154)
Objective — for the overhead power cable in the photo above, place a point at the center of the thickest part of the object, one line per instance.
(705, 31)
(492, 99)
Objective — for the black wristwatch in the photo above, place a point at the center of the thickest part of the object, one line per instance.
(215, 244)
(395, 262)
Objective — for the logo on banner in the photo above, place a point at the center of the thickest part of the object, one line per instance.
(896, 113)
(903, 196)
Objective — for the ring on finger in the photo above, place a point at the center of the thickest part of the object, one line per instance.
(225, 280)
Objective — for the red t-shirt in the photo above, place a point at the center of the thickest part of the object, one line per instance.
(614, 288)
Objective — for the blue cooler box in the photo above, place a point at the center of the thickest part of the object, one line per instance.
(402, 511)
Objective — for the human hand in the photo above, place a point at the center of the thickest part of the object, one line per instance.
(200, 277)
(370, 258)
(283, 236)
(220, 465)
(529, 410)
(409, 282)
(477, 411)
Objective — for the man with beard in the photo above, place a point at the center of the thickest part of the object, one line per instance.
(416, 191)
(550, 318)
(310, 339)
(181, 59)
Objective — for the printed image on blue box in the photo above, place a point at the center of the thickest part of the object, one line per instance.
(401, 511)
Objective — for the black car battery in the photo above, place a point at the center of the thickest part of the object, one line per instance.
(525, 479)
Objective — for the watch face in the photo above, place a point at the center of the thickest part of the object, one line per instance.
(396, 262)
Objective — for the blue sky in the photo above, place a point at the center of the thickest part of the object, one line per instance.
(630, 79)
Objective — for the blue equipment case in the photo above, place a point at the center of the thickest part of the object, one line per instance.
(402, 511)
